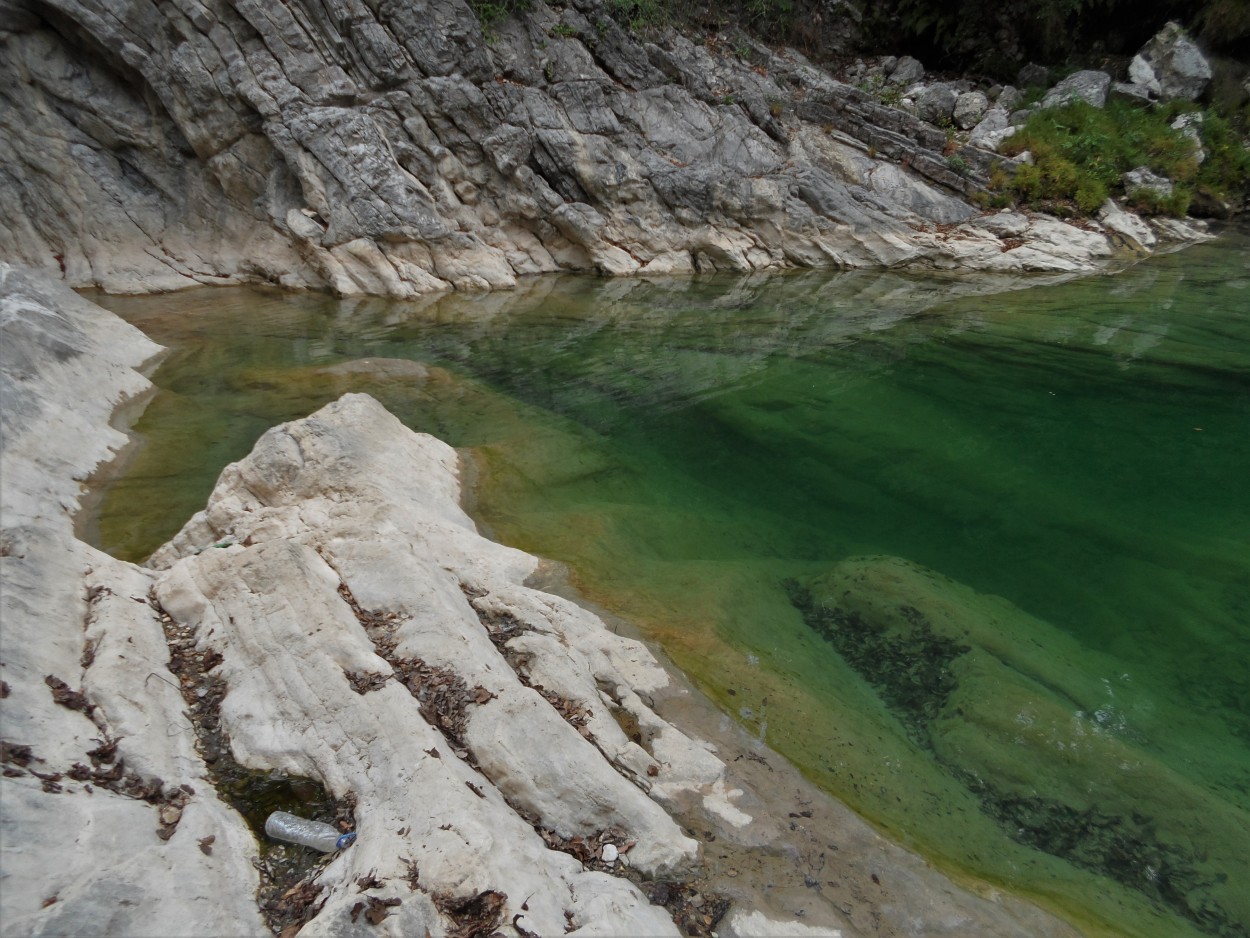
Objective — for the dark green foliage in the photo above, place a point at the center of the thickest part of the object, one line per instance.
(638, 15)
(491, 12)
(998, 36)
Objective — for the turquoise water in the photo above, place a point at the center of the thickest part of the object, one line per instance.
(978, 561)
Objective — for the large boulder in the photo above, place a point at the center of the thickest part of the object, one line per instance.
(907, 71)
(970, 107)
(993, 129)
(1171, 66)
(1089, 86)
(936, 104)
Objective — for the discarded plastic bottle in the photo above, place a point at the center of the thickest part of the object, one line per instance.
(315, 834)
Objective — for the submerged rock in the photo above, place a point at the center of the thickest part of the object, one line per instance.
(1048, 734)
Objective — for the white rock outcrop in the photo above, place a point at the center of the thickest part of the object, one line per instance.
(92, 772)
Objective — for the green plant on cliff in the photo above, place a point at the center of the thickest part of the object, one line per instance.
(490, 13)
(1080, 152)
(639, 15)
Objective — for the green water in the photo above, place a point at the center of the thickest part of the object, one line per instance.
(978, 561)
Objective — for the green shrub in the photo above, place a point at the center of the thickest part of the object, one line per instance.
(1226, 170)
(638, 15)
(490, 13)
(1153, 202)
(1081, 152)
(1090, 195)
(1027, 183)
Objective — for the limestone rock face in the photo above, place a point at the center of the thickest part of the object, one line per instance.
(399, 148)
(92, 772)
(1170, 66)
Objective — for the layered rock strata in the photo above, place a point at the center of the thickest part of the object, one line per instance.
(333, 615)
(397, 148)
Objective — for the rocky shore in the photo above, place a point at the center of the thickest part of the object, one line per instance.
(402, 148)
(332, 625)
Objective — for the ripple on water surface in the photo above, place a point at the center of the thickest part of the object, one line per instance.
(976, 558)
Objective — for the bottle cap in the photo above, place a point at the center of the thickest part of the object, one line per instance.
(345, 841)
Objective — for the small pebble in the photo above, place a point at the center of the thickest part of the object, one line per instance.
(609, 853)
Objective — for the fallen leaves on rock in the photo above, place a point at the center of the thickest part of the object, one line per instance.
(589, 850)
(66, 696)
(362, 682)
(502, 626)
(413, 876)
(440, 693)
(16, 753)
(695, 911)
(475, 917)
(374, 908)
(576, 715)
(288, 912)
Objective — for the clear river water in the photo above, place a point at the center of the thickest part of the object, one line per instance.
(974, 553)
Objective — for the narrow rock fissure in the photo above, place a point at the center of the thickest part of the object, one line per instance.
(289, 894)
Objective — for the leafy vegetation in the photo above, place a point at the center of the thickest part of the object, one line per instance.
(1080, 152)
(639, 15)
(490, 13)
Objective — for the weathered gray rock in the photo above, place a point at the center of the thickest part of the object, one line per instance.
(1171, 66)
(907, 71)
(1143, 178)
(1090, 86)
(993, 129)
(1033, 75)
(1130, 91)
(81, 850)
(1135, 232)
(936, 104)
(970, 107)
(1009, 98)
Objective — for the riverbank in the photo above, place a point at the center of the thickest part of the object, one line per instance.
(400, 153)
(329, 612)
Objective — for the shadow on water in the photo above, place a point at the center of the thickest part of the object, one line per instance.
(1011, 514)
